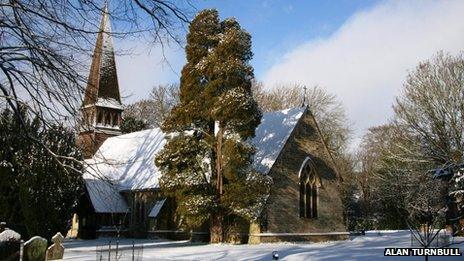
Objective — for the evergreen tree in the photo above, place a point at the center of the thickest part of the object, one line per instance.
(131, 124)
(38, 191)
(206, 163)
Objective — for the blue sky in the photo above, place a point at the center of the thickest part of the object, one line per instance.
(279, 25)
(361, 51)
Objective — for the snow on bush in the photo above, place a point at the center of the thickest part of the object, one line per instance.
(9, 235)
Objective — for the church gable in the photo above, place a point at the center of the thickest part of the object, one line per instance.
(304, 197)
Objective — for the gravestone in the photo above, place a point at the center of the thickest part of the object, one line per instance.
(10, 245)
(34, 249)
(56, 250)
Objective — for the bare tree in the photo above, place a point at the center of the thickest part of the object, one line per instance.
(425, 133)
(431, 110)
(379, 181)
(326, 108)
(432, 107)
(164, 98)
(397, 193)
(154, 110)
(426, 204)
(45, 46)
(279, 97)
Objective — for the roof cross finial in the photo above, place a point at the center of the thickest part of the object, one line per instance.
(304, 96)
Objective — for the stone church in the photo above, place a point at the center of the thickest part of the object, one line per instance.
(122, 193)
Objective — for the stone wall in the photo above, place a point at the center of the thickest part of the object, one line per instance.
(90, 141)
(282, 211)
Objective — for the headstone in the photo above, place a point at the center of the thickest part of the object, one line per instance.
(56, 251)
(34, 249)
(10, 245)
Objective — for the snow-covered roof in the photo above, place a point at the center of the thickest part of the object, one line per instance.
(109, 103)
(105, 196)
(127, 161)
(156, 208)
(272, 134)
(124, 162)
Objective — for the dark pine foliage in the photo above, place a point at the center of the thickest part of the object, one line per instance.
(131, 124)
(206, 163)
(38, 190)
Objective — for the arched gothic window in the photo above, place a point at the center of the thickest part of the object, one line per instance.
(309, 186)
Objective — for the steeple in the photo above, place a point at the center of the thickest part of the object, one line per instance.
(101, 109)
(103, 80)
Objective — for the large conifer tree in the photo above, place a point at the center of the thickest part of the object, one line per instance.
(206, 163)
(38, 193)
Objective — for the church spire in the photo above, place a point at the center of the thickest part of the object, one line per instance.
(102, 83)
(101, 109)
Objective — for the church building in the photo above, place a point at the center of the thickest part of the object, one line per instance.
(122, 192)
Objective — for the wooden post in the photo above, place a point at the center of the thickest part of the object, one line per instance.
(109, 251)
(133, 250)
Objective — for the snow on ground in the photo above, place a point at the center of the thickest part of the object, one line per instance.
(369, 247)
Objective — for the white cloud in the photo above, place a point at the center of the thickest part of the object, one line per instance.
(141, 66)
(366, 60)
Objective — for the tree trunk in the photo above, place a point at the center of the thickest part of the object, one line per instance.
(219, 137)
(216, 232)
